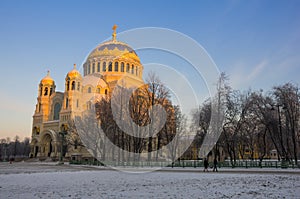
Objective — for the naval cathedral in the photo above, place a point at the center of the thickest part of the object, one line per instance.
(109, 62)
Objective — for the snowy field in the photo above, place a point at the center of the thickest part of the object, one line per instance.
(36, 180)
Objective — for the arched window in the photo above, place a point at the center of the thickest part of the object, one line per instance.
(110, 66)
(93, 69)
(98, 90)
(132, 69)
(84, 67)
(89, 90)
(41, 91)
(68, 85)
(89, 69)
(122, 66)
(50, 91)
(98, 67)
(127, 68)
(46, 91)
(67, 102)
(77, 103)
(104, 67)
(105, 91)
(36, 130)
(78, 86)
(57, 107)
(136, 70)
(116, 66)
(73, 85)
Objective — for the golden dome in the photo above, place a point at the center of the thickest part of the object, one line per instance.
(74, 73)
(112, 59)
(114, 49)
(47, 79)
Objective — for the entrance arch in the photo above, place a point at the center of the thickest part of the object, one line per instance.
(34, 148)
(47, 144)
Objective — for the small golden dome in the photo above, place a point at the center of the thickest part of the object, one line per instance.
(47, 79)
(74, 73)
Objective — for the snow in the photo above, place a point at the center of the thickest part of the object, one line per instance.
(36, 180)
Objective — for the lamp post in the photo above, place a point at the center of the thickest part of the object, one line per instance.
(279, 116)
(63, 133)
(279, 120)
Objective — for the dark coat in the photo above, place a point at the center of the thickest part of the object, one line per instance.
(215, 162)
(205, 163)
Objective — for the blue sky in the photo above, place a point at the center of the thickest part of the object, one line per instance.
(255, 42)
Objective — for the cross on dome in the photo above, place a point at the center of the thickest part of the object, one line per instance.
(114, 35)
(47, 79)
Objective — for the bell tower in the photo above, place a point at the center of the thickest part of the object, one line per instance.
(72, 95)
(45, 91)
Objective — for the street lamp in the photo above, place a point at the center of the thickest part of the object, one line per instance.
(63, 133)
(279, 119)
(279, 116)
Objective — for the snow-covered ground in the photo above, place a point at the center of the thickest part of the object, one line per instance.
(35, 180)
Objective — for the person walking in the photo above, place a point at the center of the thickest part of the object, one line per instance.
(205, 163)
(215, 165)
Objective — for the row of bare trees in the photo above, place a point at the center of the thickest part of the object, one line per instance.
(244, 124)
(14, 149)
(254, 122)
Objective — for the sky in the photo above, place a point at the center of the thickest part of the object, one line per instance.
(256, 43)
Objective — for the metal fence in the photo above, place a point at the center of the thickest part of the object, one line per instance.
(197, 164)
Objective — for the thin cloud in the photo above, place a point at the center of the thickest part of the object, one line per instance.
(244, 75)
(257, 70)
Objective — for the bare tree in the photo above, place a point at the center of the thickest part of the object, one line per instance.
(287, 96)
(3, 148)
(26, 147)
(234, 118)
(130, 122)
(254, 122)
(156, 93)
(208, 120)
(16, 145)
(72, 137)
(14, 150)
(201, 118)
(260, 120)
(175, 130)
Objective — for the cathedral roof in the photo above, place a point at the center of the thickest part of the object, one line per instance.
(114, 49)
(74, 73)
(47, 79)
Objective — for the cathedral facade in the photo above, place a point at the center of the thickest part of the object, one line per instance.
(108, 62)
